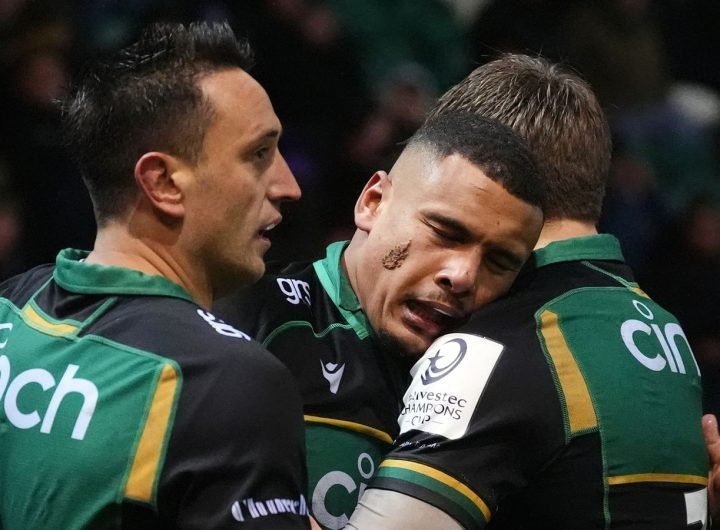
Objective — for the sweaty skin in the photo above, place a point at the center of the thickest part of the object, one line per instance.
(396, 255)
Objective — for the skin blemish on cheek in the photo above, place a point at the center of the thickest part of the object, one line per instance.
(396, 256)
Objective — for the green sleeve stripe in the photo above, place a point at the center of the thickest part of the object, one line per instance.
(437, 488)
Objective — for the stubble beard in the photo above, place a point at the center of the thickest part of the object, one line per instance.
(392, 345)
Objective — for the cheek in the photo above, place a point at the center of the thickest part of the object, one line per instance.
(493, 287)
(396, 256)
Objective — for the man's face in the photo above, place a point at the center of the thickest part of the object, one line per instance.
(239, 181)
(442, 239)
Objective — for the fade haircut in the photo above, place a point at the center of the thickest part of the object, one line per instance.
(494, 148)
(145, 98)
(560, 118)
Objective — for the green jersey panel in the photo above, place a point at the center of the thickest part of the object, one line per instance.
(628, 346)
(67, 399)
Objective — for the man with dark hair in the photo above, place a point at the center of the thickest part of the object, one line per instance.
(574, 401)
(127, 404)
(444, 232)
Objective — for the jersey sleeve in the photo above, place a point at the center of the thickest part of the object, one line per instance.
(467, 419)
(236, 456)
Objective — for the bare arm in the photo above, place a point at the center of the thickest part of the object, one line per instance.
(389, 510)
(712, 442)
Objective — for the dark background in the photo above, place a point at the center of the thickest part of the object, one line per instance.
(350, 79)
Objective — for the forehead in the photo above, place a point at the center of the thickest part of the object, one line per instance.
(421, 177)
(238, 103)
(456, 190)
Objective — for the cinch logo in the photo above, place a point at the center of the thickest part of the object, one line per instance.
(11, 388)
(446, 358)
(292, 290)
(340, 479)
(666, 337)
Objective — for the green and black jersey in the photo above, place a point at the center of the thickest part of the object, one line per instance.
(572, 403)
(308, 316)
(126, 405)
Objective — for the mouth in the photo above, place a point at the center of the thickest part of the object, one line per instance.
(432, 319)
(264, 232)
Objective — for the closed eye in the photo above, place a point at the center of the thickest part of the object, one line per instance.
(445, 235)
(261, 154)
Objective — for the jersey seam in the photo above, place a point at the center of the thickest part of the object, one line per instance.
(302, 323)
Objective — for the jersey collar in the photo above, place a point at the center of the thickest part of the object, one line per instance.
(73, 274)
(332, 277)
(596, 247)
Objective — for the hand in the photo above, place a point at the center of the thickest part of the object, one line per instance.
(712, 443)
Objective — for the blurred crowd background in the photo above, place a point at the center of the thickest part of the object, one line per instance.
(351, 79)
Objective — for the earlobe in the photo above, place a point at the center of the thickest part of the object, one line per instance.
(369, 202)
(157, 176)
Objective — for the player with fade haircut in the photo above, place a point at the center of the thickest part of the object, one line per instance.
(445, 231)
(575, 400)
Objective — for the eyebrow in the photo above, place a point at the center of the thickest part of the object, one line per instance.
(271, 133)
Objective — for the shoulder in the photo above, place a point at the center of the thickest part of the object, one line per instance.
(179, 330)
(20, 288)
(284, 295)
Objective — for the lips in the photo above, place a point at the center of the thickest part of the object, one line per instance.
(263, 232)
(432, 318)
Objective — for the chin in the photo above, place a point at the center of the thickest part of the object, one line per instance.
(240, 277)
(408, 348)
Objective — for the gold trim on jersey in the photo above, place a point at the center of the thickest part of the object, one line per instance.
(441, 477)
(639, 291)
(658, 477)
(34, 319)
(351, 425)
(149, 452)
(579, 406)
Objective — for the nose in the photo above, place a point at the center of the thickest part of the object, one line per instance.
(458, 274)
(283, 186)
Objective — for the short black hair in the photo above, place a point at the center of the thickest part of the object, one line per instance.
(145, 98)
(502, 154)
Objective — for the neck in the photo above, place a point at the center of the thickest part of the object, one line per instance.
(117, 245)
(561, 229)
(348, 260)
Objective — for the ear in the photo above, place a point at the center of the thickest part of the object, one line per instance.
(157, 175)
(369, 202)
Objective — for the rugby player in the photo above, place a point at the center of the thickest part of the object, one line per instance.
(445, 231)
(574, 402)
(126, 403)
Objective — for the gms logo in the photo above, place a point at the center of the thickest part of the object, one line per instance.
(295, 291)
(221, 327)
(447, 384)
(447, 357)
